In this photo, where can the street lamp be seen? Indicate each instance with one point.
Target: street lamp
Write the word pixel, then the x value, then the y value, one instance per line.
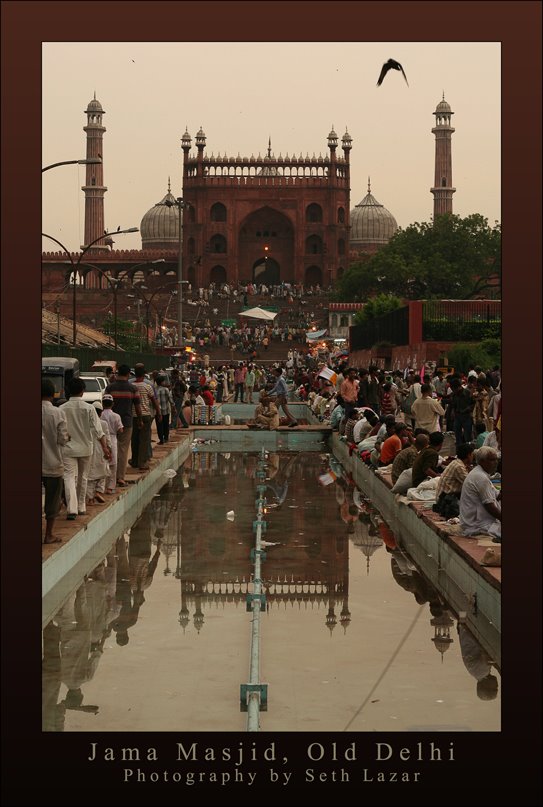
pixel 114 283
pixel 180 204
pixel 76 265
pixel 148 302
pixel 89 161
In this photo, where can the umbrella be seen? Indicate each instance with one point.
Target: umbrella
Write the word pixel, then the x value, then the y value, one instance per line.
pixel 258 313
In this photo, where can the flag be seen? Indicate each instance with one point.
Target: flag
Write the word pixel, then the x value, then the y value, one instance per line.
pixel 329 374
pixel 327 478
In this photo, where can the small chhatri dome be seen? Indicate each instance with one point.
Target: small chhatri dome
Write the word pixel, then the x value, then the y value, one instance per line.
pixel 443 106
pixel 160 225
pixel 186 140
pixel 372 225
pixel 94 105
pixel 346 140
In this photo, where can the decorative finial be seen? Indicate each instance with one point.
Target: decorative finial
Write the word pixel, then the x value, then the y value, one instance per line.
pixel 443 95
pixel 95 95
pixel 269 146
pixel 169 186
pixel 369 186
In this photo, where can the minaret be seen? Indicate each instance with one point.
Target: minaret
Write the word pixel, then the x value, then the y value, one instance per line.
pixel 443 189
pixel 94 188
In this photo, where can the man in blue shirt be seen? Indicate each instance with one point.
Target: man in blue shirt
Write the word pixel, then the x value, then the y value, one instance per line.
pixel 279 392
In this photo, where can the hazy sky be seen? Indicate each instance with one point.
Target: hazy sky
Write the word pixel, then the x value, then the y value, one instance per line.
pixel 241 93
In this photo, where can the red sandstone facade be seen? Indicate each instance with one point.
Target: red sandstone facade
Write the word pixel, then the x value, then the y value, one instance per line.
pixel 265 219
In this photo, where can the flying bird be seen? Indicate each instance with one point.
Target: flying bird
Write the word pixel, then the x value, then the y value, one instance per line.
pixel 391 65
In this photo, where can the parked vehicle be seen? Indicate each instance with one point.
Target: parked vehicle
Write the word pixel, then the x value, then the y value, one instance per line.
pixel 102 380
pixel 93 389
pixel 60 370
pixel 104 366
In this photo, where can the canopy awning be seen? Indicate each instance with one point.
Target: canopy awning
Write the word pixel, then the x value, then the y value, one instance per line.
pixel 258 313
pixel 312 335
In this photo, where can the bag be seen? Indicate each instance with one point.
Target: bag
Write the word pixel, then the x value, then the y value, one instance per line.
pixel 409 400
pixel 492 556
pixel 448 506
pixel 403 482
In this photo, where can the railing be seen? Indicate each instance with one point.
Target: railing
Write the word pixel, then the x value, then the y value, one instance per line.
pixel 392 328
pixel 87 356
pixel 460 320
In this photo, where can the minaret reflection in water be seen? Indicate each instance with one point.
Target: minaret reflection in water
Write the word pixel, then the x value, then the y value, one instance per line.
pixel 309 535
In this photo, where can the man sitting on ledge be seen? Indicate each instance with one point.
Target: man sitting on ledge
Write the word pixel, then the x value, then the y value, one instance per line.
pixel 266 413
pixel 480 509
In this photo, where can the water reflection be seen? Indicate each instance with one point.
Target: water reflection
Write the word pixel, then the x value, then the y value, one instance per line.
pixel 323 538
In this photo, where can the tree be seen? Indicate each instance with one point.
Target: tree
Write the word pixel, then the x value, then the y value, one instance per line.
pixel 451 258
pixel 377 307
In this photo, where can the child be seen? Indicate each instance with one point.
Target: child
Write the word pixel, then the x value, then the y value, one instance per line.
pixel 99 467
pixel 115 424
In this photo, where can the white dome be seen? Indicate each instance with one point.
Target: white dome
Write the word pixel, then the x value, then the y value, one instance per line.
pixel 371 223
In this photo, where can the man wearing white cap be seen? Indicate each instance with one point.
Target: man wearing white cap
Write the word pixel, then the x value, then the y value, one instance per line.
pixel 115 423
pixel 83 425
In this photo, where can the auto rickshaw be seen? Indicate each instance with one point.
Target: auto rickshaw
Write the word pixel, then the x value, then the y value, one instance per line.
pixel 60 370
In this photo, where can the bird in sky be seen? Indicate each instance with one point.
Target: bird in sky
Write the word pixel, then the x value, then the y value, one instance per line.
pixel 391 65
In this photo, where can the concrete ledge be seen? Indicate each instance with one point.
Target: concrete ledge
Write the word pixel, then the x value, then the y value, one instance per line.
pixel 466 585
pixel 111 518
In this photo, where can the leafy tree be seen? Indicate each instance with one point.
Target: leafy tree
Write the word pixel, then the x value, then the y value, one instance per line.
pixel 452 258
pixel 484 354
pixel 128 336
pixel 377 307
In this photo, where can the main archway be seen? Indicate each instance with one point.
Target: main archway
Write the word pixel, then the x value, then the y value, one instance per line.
pixel 266 247
pixel 267 271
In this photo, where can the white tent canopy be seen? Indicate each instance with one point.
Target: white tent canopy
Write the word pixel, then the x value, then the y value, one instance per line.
pixel 258 313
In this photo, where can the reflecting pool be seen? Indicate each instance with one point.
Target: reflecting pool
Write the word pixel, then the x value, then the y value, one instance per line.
pixel 353 637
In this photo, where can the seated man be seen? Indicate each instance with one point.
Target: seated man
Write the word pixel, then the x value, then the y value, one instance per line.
pixel 337 413
pixel 266 413
pixel 350 424
pixel 427 462
pixel 480 509
pixel 407 456
pixel 364 426
pixel 451 480
pixel 392 445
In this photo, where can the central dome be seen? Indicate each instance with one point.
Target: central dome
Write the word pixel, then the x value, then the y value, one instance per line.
pixel 372 225
pixel 160 225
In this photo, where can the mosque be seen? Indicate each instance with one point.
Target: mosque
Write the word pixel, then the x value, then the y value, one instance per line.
pixel 264 219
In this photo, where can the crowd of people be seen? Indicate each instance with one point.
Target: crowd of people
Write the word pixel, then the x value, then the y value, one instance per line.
pixel 293 302
pixel 397 420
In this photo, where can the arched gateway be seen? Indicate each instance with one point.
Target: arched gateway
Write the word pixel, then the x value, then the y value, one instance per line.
pixel 271 219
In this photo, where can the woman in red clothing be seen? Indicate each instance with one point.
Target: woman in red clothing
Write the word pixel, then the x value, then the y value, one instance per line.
pixel 207 395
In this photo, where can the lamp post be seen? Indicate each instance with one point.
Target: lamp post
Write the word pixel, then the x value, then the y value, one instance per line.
pixel 148 301
pixel 180 204
pixel 114 283
pixel 76 265
pixel 89 161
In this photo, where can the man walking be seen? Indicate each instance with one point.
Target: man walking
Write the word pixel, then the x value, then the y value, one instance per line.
pixel 239 381
pixel 54 435
pixel 141 437
pixel 462 402
pixel 279 393
pixel 126 399
pixel 83 426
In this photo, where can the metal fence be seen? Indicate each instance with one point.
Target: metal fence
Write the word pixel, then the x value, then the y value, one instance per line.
pixel 87 356
pixel 460 320
pixel 392 328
